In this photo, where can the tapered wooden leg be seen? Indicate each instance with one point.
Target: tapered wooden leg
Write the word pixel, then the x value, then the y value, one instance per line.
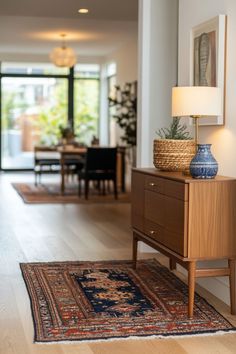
pixel 191 287
pixel 232 284
pixel 172 264
pixel 135 250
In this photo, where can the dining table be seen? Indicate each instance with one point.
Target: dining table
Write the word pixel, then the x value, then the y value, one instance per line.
pixel 60 155
pixel 67 152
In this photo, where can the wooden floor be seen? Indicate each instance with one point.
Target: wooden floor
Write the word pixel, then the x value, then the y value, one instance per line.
pixel 72 232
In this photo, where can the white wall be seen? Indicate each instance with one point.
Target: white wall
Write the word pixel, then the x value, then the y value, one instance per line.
pixel 192 13
pixel 157 73
pixel 126 59
pixel 158 35
pixel 223 139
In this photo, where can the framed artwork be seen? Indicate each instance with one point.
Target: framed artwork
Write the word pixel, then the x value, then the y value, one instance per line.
pixel 208 60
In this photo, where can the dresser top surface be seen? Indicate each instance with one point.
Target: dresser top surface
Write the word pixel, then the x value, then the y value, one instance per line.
pixel 179 176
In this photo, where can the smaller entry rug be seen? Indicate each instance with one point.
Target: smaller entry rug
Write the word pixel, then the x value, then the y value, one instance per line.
pixel 105 300
pixel 51 194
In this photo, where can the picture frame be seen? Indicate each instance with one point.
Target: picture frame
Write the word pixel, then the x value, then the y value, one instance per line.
pixel 208 60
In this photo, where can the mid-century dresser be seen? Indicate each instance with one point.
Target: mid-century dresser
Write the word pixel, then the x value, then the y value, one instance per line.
pixel 188 220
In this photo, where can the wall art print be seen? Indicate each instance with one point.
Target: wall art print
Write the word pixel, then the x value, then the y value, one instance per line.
pixel 208 51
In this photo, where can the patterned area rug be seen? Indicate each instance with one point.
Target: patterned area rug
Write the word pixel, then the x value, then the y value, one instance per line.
pixel 104 300
pixel 50 194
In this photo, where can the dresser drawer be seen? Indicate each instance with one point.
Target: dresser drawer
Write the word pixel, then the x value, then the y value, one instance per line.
pixel 154 184
pixel 153 230
pixel 167 187
pixel 154 209
pixel 165 220
pixel 177 190
pixel 173 241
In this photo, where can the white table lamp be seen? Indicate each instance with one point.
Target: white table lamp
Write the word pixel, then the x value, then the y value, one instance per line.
pixel 196 102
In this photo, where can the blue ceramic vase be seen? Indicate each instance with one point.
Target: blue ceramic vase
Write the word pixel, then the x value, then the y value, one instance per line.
pixel 203 165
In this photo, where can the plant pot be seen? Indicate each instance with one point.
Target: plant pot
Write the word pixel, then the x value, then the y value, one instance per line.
pixel 173 155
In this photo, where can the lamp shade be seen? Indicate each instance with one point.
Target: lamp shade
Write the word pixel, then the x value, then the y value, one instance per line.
pixel 196 101
pixel 63 56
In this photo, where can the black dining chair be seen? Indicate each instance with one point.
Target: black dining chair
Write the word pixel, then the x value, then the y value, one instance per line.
pixel 100 166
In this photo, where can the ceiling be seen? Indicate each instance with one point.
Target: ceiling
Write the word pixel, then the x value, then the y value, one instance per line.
pixel 112 10
pixel 34 27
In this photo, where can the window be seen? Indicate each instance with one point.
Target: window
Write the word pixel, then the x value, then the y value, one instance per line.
pixel 32 111
pixel 111 82
pixel 32 69
pixel 86 105
pixel 86 102
pixel 35 103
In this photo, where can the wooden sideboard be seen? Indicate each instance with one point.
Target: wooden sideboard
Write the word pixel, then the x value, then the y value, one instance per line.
pixel 188 220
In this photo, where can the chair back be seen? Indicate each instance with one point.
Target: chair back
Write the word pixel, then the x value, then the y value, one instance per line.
pixel 101 159
pixel 46 153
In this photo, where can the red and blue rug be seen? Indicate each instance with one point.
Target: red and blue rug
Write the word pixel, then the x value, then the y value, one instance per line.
pixel 103 300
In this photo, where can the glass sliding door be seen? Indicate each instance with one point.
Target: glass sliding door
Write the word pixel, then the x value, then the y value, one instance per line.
pixel 36 102
pixel 33 108
pixel 86 109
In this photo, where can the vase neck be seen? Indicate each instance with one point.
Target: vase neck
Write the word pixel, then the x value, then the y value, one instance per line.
pixel 204 147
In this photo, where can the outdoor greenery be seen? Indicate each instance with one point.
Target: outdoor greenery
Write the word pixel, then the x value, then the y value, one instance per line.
pixel 125 101
pixel 10 102
pixel 86 107
pixel 34 111
pixel 52 122
pixel 52 118
pixel 176 131
pixel 52 113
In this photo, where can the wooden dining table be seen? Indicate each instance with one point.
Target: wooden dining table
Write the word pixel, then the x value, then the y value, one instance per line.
pixel 80 152
pixel 67 153
pixel 63 153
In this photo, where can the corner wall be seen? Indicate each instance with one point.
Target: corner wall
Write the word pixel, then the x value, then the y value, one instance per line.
pixel 223 139
pixel 157 74
pixel 158 38
pixel 126 59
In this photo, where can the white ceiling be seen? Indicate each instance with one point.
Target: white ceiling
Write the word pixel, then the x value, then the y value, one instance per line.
pixel 112 10
pixel 34 26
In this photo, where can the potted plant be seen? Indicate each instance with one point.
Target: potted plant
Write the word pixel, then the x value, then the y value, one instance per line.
pixel 125 101
pixel 175 148
pixel 67 134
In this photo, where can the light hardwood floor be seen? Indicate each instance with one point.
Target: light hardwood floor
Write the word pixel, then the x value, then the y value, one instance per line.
pixel 73 232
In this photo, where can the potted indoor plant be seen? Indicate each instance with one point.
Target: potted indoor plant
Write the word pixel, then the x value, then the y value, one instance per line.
pixel 174 149
pixel 125 102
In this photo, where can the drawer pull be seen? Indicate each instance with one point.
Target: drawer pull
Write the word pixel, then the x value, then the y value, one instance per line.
pixel 152 232
pixel 151 184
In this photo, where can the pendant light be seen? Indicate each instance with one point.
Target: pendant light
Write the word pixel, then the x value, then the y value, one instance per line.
pixel 63 56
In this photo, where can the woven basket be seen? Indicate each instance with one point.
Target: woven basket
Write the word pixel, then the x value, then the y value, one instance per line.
pixel 173 155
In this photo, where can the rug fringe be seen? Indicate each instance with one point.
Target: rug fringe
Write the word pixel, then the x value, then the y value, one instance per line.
pixel 141 338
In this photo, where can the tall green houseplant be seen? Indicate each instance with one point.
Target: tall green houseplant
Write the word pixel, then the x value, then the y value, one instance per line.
pixel 125 101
